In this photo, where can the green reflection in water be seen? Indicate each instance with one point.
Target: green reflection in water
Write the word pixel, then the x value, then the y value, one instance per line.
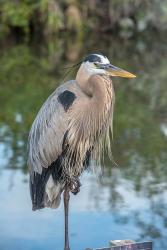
pixel 28 74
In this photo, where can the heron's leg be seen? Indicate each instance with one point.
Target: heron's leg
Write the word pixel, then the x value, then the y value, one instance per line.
pixel 66 209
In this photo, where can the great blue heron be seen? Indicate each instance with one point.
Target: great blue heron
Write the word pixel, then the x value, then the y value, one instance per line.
pixel 69 131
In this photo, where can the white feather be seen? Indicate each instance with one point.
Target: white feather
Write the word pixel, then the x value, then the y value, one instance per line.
pixel 52 190
pixel 104 59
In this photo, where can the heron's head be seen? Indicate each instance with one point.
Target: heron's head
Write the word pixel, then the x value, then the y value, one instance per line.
pixel 100 64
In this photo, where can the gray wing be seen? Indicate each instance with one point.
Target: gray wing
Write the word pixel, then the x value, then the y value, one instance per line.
pixel 48 130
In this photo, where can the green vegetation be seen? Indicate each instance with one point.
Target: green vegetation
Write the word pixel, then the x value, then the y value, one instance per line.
pixel 48 17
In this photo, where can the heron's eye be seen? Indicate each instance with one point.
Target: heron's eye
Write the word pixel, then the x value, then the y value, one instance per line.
pixel 96 64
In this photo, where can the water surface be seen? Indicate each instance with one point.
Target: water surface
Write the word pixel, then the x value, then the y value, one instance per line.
pixel 129 201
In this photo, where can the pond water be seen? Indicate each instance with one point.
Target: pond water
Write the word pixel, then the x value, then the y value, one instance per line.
pixel 128 201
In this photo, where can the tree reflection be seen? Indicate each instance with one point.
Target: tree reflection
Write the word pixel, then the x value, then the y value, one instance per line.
pixel 29 74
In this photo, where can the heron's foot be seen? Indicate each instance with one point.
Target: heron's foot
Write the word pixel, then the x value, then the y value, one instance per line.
pixel 75 186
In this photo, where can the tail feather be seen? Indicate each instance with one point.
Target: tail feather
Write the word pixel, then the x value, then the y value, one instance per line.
pixel 46 188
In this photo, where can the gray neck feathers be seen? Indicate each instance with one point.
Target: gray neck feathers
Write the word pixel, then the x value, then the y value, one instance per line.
pixel 93 119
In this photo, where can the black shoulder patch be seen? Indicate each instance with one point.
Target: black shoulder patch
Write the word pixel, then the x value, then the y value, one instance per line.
pixel 92 58
pixel 66 99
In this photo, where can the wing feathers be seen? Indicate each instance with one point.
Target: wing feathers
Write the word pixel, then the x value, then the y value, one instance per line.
pixel 48 129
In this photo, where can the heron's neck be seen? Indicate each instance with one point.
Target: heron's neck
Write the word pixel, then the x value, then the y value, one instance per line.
pixel 97 88
pixel 82 80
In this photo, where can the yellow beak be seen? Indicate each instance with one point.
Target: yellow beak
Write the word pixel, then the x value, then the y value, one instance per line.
pixel 112 70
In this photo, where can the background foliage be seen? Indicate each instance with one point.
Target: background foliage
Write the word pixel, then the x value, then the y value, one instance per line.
pixel 47 17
